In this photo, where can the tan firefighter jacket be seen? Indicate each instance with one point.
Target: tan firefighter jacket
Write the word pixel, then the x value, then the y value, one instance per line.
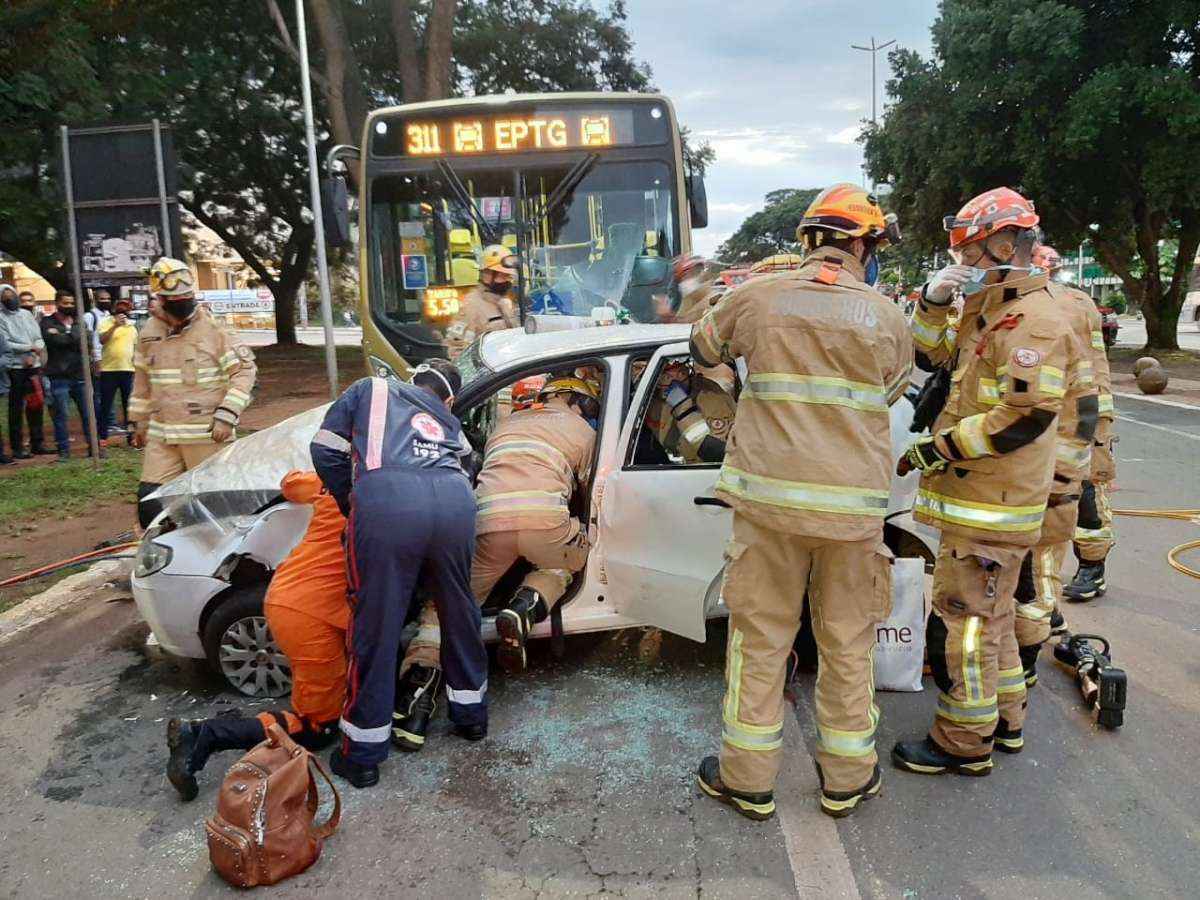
pixel 696 302
pixel 1079 416
pixel 698 428
pixel 810 451
pixel 1010 362
pixel 484 311
pixel 531 465
pixel 185 379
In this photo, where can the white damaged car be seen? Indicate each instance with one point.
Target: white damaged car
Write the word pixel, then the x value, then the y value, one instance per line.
pixel 203 567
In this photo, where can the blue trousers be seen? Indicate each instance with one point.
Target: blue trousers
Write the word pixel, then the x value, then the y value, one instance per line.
pixel 62 388
pixel 406 526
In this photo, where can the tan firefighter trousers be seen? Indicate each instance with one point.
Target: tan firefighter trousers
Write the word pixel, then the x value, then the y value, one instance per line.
pixel 556 554
pixel 969 628
pixel 849 588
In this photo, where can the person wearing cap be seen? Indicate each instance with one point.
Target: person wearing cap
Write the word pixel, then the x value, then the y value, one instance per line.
pixel 987 468
pixel 191 382
pixel 807 472
pixel 391 455
pixel 533 463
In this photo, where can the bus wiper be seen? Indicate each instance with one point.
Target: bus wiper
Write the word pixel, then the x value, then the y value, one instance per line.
pixel 464 198
pixel 565 187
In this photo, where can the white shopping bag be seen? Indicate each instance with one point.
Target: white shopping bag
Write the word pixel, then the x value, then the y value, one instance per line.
pixel 900 651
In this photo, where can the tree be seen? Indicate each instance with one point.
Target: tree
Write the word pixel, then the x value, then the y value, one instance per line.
pixel 770 230
pixel 1085 105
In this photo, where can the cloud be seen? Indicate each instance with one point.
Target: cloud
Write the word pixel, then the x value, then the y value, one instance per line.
pixel 753 147
pixel 847 135
pixel 695 96
pixel 732 207
pixel 846 104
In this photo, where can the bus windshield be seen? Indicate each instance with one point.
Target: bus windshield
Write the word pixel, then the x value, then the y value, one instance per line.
pixel 579 243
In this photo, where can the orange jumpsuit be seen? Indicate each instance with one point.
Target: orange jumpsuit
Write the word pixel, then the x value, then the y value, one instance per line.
pixel 307 609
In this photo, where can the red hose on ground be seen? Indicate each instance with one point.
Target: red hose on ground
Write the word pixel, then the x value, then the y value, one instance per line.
pixel 90 556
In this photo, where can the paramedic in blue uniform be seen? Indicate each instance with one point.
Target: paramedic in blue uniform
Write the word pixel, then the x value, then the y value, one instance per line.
pixel 390 454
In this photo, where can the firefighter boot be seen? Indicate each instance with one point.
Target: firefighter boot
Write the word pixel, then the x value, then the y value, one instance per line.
pixel 840 804
pixel 192 743
pixel 1088 584
pixel 1009 740
pixel 1058 625
pixel 927 758
pixel 416 702
pixel 1029 657
pixel 514 622
pixel 756 806
pixel 360 775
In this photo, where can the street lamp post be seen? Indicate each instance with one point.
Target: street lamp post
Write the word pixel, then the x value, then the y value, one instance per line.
pixel 873 49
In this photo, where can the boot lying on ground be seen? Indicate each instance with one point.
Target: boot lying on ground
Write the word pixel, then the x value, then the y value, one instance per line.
pixel 416 702
pixel 927 758
pixel 1088 583
pixel 756 806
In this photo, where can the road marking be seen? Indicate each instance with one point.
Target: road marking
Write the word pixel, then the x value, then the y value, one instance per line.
pixel 820 867
pixel 1174 431
pixel 1172 403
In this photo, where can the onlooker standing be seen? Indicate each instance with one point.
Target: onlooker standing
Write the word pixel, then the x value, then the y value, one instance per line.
pixel 118 338
pixel 29 303
pixel 100 313
pixel 64 367
pixel 5 459
pixel 23 364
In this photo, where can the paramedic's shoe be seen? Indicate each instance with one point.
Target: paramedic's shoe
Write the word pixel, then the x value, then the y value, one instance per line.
pixel 1008 740
pixel 840 804
pixel 181 741
pixel 416 702
pixel 1058 625
pixel 756 806
pixel 514 622
pixel 1088 583
pixel 927 758
pixel 471 732
pixel 357 774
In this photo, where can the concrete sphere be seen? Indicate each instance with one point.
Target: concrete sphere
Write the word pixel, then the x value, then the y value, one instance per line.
pixel 1144 362
pixel 1152 380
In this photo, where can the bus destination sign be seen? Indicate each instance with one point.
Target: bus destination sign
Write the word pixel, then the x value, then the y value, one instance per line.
pixel 518 133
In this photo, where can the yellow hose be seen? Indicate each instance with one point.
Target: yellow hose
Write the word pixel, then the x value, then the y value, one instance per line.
pixel 1182 515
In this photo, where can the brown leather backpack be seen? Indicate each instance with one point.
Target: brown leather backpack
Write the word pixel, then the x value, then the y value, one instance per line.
pixel 263 831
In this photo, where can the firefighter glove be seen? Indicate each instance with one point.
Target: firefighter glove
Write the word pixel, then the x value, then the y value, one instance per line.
pixel 940 289
pixel 923 455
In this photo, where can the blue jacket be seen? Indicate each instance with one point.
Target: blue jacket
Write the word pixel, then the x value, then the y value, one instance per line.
pixel 385 424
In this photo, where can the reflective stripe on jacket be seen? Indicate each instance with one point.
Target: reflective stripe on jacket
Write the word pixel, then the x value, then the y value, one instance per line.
pixel 810 450
pixel 1012 364
pixel 183 380
pixel 530 467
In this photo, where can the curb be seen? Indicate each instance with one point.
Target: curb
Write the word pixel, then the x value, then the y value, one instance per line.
pixel 72 590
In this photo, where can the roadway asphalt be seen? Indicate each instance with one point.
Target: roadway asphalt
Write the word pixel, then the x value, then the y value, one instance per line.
pixel 585 785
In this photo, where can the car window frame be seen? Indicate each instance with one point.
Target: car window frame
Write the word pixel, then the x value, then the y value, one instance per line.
pixel 627 461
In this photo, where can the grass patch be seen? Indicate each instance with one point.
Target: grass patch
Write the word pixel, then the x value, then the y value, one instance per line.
pixel 62 489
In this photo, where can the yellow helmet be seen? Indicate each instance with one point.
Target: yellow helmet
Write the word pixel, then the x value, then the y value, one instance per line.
pixel 848 209
pixel 171 278
pixel 569 384
pixel 498 258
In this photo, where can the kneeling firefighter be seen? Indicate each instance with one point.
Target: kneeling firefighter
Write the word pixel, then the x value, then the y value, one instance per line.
pixel 532 465
pixel 807 473
pixel 986 468
pixel 307 613
pixel 390 452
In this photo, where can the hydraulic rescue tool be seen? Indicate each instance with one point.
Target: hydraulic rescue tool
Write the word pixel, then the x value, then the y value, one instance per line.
pixel 1102 684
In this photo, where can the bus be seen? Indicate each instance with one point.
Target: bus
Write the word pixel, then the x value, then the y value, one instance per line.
pixel 588 190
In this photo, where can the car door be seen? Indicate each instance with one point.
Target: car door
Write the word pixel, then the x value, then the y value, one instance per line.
pixel 663 531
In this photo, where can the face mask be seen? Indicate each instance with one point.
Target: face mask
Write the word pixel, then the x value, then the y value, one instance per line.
pixel 179 309
pixel 977 283
pixel 872 270
pixel 11 303
pixel 104 304
pixel 500 287
pixel 66 310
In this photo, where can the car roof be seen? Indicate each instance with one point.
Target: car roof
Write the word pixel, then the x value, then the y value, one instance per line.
pixel 506 349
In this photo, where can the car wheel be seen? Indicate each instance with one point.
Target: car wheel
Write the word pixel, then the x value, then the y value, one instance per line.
pixel 241 649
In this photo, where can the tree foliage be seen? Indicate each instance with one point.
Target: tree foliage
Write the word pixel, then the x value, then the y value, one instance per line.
pixel 1087 106
pixel 770 230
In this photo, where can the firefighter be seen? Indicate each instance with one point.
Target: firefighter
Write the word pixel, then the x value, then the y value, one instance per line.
pixel 487 305
pixel 807 473
pixel 307 613
pixel 192 380
pixel 1039 585
pixel 692 411
pixel 532 465
pixel 390 453
pixel 986 468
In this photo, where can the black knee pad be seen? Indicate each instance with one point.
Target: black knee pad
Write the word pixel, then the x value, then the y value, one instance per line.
pixel 936 636
pixel 1029 657
pixel 147 509
pixel 1089 512
pixel 1025 592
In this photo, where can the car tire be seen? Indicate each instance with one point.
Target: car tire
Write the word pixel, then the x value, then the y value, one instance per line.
pixel 241 649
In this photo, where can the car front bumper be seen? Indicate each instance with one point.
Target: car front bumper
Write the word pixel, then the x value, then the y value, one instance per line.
pixel 171 606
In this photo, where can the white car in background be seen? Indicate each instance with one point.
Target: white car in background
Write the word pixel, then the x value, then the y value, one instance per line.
pixel 203 566
pixel 1190 314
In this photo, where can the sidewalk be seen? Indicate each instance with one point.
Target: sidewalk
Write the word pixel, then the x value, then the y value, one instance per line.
pixel 1179 390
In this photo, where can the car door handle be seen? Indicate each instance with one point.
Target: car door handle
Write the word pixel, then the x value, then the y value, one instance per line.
pixel 710 501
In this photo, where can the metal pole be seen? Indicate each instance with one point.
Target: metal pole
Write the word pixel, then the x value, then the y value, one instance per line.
pixel 873 49
pixel 314 185
pixel 85 345
pixel 1081 266
pixel 160 168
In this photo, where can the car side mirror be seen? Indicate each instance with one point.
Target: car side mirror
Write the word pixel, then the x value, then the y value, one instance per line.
pixel 649 271
pixel 697 201
pixel 335 211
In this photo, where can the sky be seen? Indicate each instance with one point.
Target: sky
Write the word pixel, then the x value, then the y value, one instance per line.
pixel 774 87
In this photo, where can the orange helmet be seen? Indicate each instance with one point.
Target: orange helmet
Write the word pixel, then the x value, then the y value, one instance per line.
pixel 687 265
pixel 986 214
pixel 1046 257
pixel 525 392
pixel 850 210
